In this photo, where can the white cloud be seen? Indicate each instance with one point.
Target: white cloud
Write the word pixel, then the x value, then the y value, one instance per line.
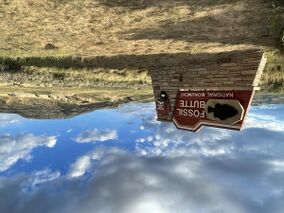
pixel 264 122
pixel 277 165
pixel 19 147
pixel 80 166
pixel 8 119
pixel 124 182
pixel 96 135
pixel 269 107
pixel 84 163
pixel 147 204
pixel 204 142
pixel 43 176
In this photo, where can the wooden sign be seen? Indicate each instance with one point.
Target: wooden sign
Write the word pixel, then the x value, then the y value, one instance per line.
pixel 226 109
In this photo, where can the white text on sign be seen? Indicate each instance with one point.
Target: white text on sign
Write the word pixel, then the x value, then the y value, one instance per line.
pixel 192 108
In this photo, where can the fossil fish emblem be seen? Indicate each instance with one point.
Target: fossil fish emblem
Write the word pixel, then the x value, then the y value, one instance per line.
pixel 222 111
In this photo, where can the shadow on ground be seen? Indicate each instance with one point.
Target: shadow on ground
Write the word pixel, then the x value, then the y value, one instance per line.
pixel 142 4
pixel 227 25
pixel 124 61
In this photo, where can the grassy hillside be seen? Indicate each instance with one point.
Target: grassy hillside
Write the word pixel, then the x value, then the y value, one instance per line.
pixel 116 30
pixel 111 27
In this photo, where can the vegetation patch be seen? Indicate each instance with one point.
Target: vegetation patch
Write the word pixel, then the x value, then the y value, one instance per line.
pixel 60 77
pixel 273 75
pixel 9 65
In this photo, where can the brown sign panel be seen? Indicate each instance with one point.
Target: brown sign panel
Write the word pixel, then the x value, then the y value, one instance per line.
pixel 226 109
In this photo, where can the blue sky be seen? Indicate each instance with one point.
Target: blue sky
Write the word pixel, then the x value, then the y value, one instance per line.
pixel 123 160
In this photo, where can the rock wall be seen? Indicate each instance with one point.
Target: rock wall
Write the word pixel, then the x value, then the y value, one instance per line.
pixel 236 70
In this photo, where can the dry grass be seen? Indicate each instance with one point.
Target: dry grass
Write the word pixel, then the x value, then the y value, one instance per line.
pixel 77 95
pixel 126 30
pixel 56 77
pixel 114 27
pixel 273 76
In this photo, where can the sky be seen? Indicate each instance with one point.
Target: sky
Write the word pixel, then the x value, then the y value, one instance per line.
pixel 123 160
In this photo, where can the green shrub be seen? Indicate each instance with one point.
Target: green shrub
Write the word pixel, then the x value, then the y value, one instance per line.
pixel 9 64
pixel 59 76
